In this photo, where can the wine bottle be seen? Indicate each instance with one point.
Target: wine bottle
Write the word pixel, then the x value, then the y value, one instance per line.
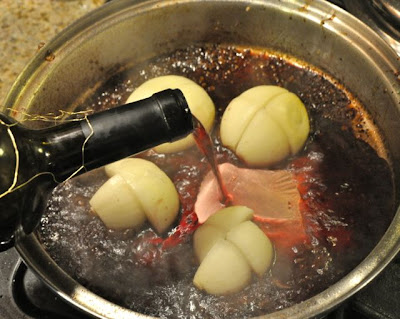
pixel 33 161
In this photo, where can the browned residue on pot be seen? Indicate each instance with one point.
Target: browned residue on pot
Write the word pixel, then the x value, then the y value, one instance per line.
pixel 330 18
pixel 305 7
pixel 50 56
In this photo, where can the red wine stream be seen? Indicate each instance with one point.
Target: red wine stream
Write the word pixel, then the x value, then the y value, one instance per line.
pixel 205 144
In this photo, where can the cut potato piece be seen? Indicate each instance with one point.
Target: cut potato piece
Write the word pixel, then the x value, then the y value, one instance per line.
pixel 132 165
pixel 223 271
pixel 199 102
pixel 153 188
pixel 230 217
pixel 264 125
pixel 227 245
pixel 137 183
pixel 241 111
pixel 291 115
pixel 264 142
pixel 254 245
pixel 117 205
pixel 204 239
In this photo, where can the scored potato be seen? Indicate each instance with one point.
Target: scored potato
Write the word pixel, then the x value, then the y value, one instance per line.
pixel 153 188
pixel 199 102
pixel 224 270
pixel 264 125
pixel 216 227
pixel 227 228
pixel 229 217
pixel 254 245
pixel 130 164
pixel 117 205
pixel 204 239
pixel 290 113
pixel 249 103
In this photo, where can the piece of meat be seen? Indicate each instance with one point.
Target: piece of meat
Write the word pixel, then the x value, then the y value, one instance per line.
pixel 273 195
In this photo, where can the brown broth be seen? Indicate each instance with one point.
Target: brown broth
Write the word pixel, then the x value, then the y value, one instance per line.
pixel 346 198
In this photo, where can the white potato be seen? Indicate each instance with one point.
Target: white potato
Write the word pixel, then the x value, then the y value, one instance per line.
pixel 291 115
pixel 204 239
pixel 216 245
pixel 117 205
pixel 269 150
pixel 131 165
pixel 153 188
pixel 241 111
pixel 223 271
pixel 254 245
pixel 230 217
pixel 199 102
pixel 264 125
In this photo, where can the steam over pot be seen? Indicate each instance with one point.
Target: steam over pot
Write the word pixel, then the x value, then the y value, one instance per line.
pixel 125 32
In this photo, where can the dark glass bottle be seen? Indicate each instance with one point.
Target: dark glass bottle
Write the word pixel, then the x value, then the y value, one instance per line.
pixel 54 154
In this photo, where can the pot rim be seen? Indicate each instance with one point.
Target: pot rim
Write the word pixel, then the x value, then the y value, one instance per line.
pixel 317 11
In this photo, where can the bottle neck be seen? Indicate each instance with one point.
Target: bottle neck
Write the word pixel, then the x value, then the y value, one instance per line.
pixel 105 137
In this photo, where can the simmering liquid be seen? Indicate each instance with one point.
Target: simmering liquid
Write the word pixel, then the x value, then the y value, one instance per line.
pixel 345 187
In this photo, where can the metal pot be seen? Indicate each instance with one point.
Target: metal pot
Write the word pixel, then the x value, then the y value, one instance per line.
pixel 123 32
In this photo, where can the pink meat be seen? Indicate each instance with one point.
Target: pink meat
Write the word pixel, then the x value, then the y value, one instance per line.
pixel 271 194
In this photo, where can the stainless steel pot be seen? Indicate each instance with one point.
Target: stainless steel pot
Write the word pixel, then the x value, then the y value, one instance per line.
pixel 125 32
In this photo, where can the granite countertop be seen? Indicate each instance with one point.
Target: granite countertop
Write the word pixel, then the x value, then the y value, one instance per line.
pixel 25 25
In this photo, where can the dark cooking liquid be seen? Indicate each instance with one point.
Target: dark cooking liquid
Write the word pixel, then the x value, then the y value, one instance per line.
pixel 346 198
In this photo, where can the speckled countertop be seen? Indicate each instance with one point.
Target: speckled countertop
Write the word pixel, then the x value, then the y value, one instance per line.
pixel 25 25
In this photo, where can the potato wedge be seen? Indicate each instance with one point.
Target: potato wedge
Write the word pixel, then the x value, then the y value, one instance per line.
pixel 289 113
pixel 117 205
pixel 204 239
pixel 264 142
pixel 254 245
pixel 230 217
pixel 132 165
pixel 241 111
pixel 153 188
pixel 223 271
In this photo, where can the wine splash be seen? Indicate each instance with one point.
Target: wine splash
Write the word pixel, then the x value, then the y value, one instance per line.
pixel 205 144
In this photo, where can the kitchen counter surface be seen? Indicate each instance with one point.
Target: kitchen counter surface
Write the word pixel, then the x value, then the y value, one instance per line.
pixel 26 25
